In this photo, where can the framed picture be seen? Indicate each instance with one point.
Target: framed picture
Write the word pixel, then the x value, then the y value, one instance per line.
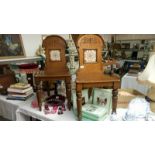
pixel 11 46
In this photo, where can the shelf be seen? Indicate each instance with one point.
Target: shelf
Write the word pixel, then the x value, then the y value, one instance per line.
pixel 20 60
pixel 131 37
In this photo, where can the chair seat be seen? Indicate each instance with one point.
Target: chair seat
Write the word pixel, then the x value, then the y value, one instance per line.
pixel 43 74
pixel 96 77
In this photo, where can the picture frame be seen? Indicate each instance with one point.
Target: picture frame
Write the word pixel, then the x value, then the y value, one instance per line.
pixel 11 46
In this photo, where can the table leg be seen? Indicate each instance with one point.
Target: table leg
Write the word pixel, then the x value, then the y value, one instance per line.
pixel 38 93
pixel 30 79
pixel 68 92
pixel 114 100
pixel 79 104
pixel 90 92
pixel 47 83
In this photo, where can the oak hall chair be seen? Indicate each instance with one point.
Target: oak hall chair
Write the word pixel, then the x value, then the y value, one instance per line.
pixel 91 72
pixel 55 66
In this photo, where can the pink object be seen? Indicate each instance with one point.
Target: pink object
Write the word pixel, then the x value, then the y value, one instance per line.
pixel 63 108
pixel 34 104
pixel 47 112
pixel 53 111
pixel 55 108
pixel 46 107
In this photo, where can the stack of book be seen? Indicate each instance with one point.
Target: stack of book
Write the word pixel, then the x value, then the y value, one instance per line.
pixel 94 112
pixel 100 107
pixel 97 107
pixel 134 69
pixel 19 91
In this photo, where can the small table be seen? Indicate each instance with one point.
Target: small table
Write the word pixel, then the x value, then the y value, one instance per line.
pixel 131 82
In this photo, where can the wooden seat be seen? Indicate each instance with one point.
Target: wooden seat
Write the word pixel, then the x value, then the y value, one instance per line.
pixel 91 72
pixel 55 66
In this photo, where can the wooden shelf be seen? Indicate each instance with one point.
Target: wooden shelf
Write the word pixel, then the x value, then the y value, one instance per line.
pixel 109 62
pixel 20 60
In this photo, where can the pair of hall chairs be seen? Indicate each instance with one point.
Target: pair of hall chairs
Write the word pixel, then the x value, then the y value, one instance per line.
pixel 89 75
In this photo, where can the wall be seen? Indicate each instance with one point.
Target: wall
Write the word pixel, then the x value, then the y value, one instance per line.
pixel 33 41
pixel 107 37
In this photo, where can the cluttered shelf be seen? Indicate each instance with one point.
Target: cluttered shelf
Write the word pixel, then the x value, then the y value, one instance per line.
pixel 18 69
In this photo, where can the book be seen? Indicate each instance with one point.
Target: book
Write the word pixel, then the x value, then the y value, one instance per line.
pixel 18 98
pixel 133 71
pixel 91 118
pixel 85 98
pixel 20 85
pixel 94 111
pixel 101 104
pixel 97 107
pixel 20 94
pixel 19 90
pixel 102 96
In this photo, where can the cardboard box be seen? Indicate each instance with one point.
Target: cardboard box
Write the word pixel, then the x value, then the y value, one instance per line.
pixel 126 95
pixel 152 106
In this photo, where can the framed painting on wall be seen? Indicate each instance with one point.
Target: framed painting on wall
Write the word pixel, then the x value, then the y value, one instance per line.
pixel 11 46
